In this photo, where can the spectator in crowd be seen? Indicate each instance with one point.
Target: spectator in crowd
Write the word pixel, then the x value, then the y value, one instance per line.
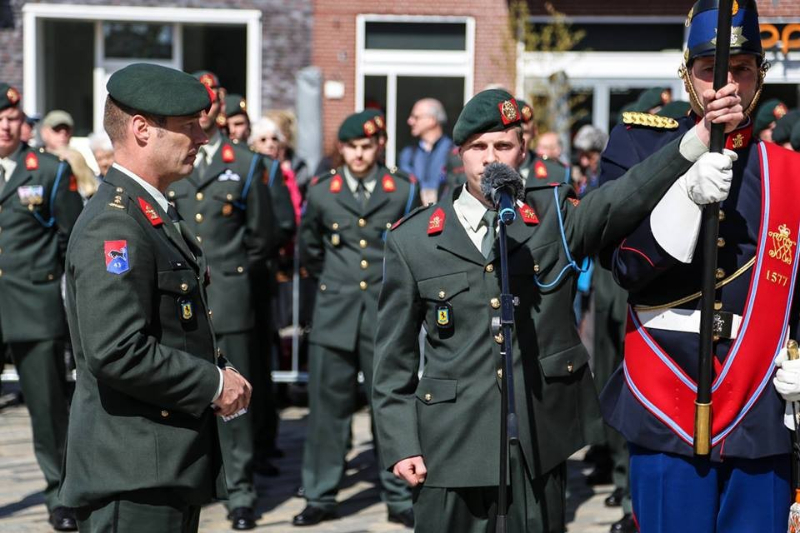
pixel 589 143
pixel 103 151
pixel 548 145
pixel 427 158
pixel 267 139
pixel 57 128
pixel 236 118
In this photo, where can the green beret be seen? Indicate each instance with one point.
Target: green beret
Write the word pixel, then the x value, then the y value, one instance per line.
pixel 9 96
pixel 794 139
pixel 207 78
pixel 487 111
pixel 767 113
pixel 235 104
pixel 783 127
pixel 655 97
pixel 675 109
pixel 377 117
pixel 158 90
pixel 526 110
pixel 358 126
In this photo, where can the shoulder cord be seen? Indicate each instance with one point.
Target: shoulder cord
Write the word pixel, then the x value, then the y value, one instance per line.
pixel 242 204
pixel 52 220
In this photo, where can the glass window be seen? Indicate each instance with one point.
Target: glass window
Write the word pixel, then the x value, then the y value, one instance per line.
pixel 627 37
pixel 202 51
pixel 137 40
pixel 449 91
pixel 416 36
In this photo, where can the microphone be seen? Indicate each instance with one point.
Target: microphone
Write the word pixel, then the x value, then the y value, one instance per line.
pixel 502 186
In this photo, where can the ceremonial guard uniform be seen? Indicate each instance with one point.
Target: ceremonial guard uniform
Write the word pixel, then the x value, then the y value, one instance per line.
pixel 341 241
pixel 143 451
pixel 226 204
pixel 436 277
pixel 650 399
pixel 39 204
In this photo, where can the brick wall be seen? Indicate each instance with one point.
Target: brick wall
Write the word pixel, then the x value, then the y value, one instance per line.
pixel 334 49
pixel 286 40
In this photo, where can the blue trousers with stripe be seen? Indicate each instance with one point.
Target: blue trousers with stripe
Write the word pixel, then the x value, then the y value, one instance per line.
pixel 676 494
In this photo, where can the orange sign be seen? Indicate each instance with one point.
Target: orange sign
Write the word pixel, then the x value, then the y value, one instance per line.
pixel 788 37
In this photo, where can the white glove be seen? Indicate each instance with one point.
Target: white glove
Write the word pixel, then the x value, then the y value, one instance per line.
pixel 787 383
pixel 709 179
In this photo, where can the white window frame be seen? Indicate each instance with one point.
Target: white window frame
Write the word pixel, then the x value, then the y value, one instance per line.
pixel 394 63
pixel 33 66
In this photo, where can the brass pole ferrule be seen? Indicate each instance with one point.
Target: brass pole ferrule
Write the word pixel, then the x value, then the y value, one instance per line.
pixel 702 428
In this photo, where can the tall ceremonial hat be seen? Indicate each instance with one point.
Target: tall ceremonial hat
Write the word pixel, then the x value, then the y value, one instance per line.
pixel 158 90
pixel 702 23
pixel 769 112
pixel 488 111
pixel 783 127
pixel 9 96
pixel 358 126
pixel 235 104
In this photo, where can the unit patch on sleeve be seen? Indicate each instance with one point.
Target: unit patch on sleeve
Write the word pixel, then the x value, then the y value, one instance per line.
pixel 116 255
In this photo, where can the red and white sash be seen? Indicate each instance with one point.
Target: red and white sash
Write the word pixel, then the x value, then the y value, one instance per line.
pixel 664 389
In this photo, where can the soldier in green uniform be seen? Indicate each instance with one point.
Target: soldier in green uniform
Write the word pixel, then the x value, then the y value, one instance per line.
pixel 39 204
pixel 237 121
pixel 348 213
pixel 143 452
pixel 226 203
pixel 440 432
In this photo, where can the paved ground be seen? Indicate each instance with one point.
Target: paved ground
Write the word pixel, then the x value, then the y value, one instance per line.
pixel 22 508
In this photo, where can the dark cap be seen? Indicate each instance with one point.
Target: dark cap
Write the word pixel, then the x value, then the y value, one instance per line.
pixel 767 113
pixel 654 97
pixel 783 127
pixel 9 96
pixel 675 109
pixel 525 110
pixel 158 90
pixel 377 117
pixel 235 104
pixel 210 81
pixel 358 126
pixel 745 32
pixel 488 111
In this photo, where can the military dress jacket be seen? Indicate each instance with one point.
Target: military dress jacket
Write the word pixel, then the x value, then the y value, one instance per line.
pixel 145 352
pixel 655 278
pixel 537 170
pixel 451 415
pixel 341 245
pixel 229 210
pixel 38 208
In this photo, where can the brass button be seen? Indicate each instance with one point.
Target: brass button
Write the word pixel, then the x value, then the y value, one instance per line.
pixel 717 306
pixel 570 368
pixel 536 268
pixel 721 215
pixel 229 197
pixel 199 196
pixel 495 303
pixel 335 225
pixel 362 243
pixel 1 271
pixel 720 273
pixel 1 230
pixel 31 207
pixel 363 285
pixel 171 193
pixel 198 217
pixel 720 242
pixel 489 268
pixel 500 373
pixel 210 313
pixel 164 413
pixel 323 287
pixel 715 338
pixel 240 269
pixel 499 338
pixel 1 250
pixel 199 238
pixel 119 189
pixel 388 225
pixel 364 264
pixel 50 277
pixel 428 397
pixel 184 287
pixel 361 222
pixel 442 295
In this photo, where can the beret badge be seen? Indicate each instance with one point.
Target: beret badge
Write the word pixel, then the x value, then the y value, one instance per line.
pixel 12 95
pixel 508 112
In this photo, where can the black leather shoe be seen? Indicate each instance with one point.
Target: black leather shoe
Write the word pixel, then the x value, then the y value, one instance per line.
pixel 311 516
pixel 63 519
pixel 614 499
pixel 625 525
pixel 599 476
pixel 242 518
pixel 403 517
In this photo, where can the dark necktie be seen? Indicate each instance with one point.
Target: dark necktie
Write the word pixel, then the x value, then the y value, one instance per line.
pixel 175 217
pixel 202 165
pixel 361 194
pixel 2 177
pixel 490 221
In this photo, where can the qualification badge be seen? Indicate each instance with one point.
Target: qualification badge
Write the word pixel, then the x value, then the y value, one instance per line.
pixel 444 315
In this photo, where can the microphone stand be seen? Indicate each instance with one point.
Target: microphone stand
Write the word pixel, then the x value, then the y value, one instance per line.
pixel 502 329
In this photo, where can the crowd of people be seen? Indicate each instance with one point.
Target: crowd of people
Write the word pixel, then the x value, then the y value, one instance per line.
pixel 161 270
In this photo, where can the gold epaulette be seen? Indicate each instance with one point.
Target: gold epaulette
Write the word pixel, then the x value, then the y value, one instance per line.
pixel 649 121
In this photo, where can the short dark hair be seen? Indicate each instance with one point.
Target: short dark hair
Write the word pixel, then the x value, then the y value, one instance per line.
pixel 116 116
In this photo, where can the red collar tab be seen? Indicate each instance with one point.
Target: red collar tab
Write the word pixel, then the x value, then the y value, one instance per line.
pixel 739 138
pixel 528 214
pixel 151 214
pixel 228 155
pixel 336 184
pixel 31 161
pixel 540 170
pixel 436 222
pixel 574 201
pixel 388 183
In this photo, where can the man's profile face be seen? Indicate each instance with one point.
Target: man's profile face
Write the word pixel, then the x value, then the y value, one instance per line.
pixel 238 128
pixel 359 155
pixel 742 70
pixel 482 149
pixel 421 119
pixel 175 146
pixel 11 120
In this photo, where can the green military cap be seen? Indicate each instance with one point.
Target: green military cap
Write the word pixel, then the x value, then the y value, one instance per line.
pixel 794 139
pixel 654 97
pixel 235 104
pixel 675 109
pixel 358 126
pixel 377 117
pixel 487 111
pixel 783 127
pixel 158 90
pixel 768 112
pixel 526 110
pixel 9 96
